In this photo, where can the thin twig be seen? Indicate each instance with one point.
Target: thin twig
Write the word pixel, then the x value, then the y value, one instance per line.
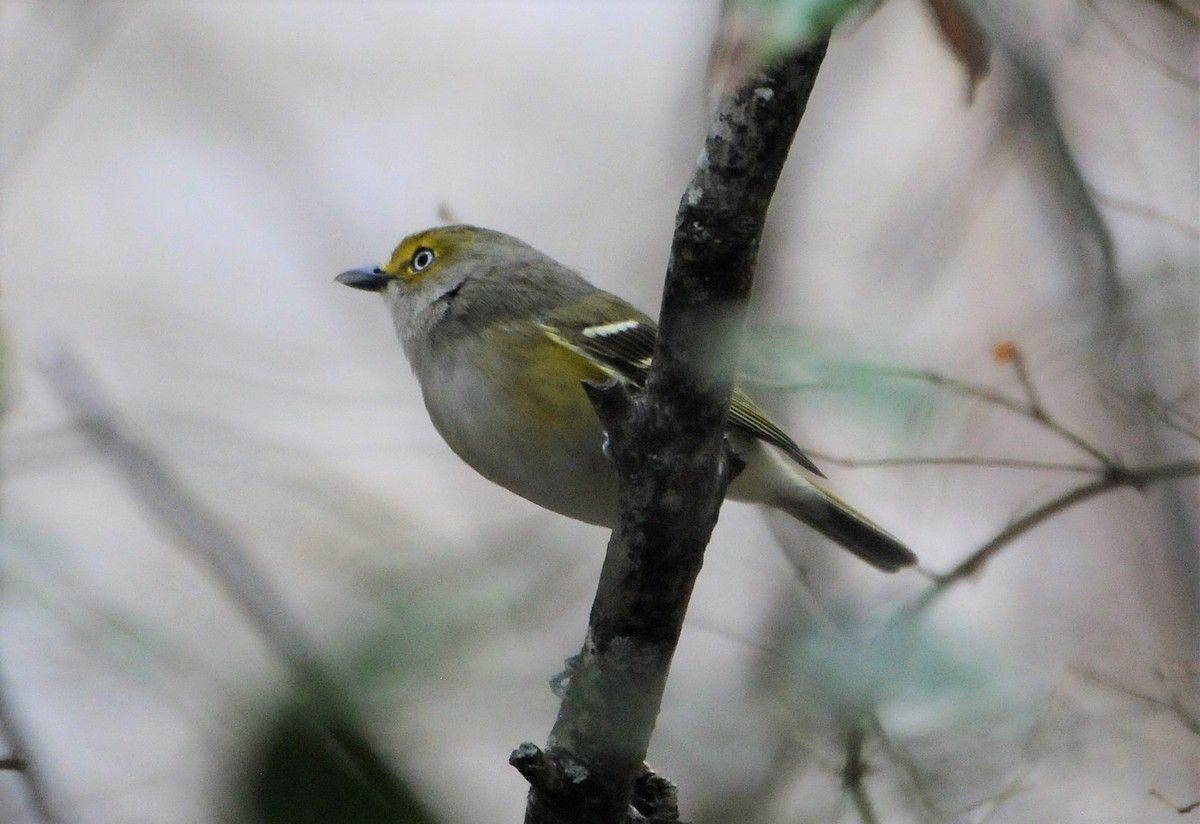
pixel 20 759
pixel 1172 705
pixel 1169 413
pixel 1172 417
pixel 963 460
pixel 1149 212
pixel 1190 16
pixel 854 772
pixel 1114 479
pixel 905 764
pixel 995 802
pixel 1016 784
pixel 1175 418
pixel 1182 809
pixel 1143 55
pixel 1175 426
pixel 1033 400
pixel 960 387
pixel 995 398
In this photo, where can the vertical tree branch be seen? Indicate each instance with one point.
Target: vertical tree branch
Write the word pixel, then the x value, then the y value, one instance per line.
pixel 668 446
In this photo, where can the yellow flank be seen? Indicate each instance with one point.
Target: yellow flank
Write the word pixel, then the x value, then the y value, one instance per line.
pixel 542 377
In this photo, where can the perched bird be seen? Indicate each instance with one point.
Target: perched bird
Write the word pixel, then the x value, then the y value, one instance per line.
pixel 501 338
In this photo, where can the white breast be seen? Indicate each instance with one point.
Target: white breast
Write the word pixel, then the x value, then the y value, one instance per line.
pixel 572 477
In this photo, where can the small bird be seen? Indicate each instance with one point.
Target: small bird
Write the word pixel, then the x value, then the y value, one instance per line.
pixel 501 338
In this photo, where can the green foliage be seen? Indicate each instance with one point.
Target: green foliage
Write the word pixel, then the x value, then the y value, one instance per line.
pixel 315 765
pixel 815 362
pixel 788 24
pixel 846 669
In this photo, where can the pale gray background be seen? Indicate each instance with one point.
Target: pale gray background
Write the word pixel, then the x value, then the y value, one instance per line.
pixel 181 182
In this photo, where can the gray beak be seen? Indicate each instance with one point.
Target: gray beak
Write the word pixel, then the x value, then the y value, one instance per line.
pixel 369 278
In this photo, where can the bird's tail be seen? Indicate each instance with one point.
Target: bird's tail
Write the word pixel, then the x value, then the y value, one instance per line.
pixel 771 479
pixel 842 524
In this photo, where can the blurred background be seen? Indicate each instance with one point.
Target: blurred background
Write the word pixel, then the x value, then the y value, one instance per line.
pixel 219 478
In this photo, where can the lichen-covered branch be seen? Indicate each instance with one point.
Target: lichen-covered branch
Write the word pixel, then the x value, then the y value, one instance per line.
pixel 669 448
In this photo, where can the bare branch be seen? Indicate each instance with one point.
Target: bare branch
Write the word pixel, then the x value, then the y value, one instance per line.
pixel 669 448
pixel 1027 409
pixel 1115 478
pixel 906 765
pixel 1033 401
pixel 1149 212
pixel 854 772
pixel 961 460
pixel 1182 809
pixel 1190 16
pixel 1143 55
pixel 1031 408
pixel 1171 704
pixel 1183 423
pixel 1173 418
pixel 1167 412
pixel 18 761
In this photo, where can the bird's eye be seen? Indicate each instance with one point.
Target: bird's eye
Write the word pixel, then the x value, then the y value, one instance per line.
pixel 422 259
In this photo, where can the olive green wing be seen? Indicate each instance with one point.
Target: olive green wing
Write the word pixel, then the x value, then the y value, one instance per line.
pixel 624 346
pixel 747 416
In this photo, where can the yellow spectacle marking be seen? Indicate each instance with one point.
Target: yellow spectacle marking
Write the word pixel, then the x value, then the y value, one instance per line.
pixel 443 241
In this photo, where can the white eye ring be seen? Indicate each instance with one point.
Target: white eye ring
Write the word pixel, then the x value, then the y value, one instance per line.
pixel 422 259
